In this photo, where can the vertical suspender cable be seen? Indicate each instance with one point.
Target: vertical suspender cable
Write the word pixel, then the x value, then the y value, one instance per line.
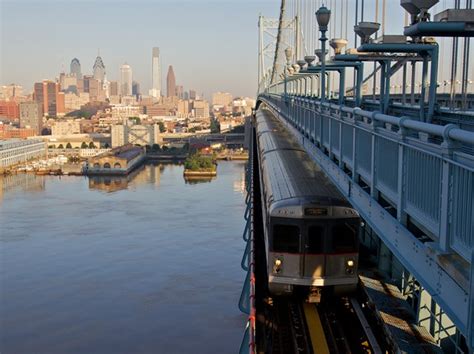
pixel 454 64
pixel 465 68
pixel 277 46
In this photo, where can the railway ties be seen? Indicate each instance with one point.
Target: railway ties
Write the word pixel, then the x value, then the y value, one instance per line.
pixel 337 325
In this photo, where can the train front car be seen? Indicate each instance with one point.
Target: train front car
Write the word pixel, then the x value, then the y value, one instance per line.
pixel 311 231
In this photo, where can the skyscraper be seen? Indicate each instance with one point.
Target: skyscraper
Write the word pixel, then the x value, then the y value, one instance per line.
pixel 170 82
pixel 156 73
pixel 76 68
pixel 125 80
pixel 46 93
pixel 136 88
pixel 99 69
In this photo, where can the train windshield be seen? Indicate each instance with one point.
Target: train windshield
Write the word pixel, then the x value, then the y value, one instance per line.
pixel 344 238
pixel 315 242
pixel 286 238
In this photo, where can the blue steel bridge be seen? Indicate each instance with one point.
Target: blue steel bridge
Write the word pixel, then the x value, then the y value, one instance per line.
pixel 387 110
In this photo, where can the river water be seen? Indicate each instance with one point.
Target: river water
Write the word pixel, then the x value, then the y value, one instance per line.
pixel 145 264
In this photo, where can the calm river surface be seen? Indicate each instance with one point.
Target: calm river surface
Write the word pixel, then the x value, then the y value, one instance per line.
pixel 148 264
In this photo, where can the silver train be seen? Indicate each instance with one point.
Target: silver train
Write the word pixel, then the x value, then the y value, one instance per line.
pixel 310 230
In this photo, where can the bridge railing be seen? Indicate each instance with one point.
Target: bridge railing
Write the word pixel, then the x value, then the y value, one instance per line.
pixel 412 182
pixel 247 296
pixel 423 170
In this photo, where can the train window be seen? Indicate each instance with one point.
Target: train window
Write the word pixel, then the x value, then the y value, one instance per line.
pixel 286 238
pixel 315 242
pixel 344 238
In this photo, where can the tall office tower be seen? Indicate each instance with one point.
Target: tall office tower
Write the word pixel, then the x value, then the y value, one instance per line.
pixel 99 69
pixel 76 68
pixel 114 91
pixel 125 80
pixel 106 87
pixel 31 116
pixel 135 88
pixel 179 91
pixel 192 94
pixel 170 82
pixel 155 73
pixel 46 93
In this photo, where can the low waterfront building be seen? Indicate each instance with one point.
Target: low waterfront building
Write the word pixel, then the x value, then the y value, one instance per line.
pixel 118 161
pixel 14 151
pixel 73 141
pixel 136 134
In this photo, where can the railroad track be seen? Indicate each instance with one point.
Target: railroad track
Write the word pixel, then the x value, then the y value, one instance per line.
pixel 336 325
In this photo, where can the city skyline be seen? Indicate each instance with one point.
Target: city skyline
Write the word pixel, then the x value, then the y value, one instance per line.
pixel 194 34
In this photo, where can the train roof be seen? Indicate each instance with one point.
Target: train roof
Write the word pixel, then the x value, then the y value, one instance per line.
pixel 290 176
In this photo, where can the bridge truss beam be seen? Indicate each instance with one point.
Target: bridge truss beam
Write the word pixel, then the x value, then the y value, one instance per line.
pixel 342 145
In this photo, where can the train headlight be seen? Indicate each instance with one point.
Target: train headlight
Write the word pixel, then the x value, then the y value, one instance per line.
pixel 350 266
pixel 277 264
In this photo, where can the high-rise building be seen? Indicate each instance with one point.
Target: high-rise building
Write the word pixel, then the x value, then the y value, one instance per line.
pixel 125 80
pixel 68 82
pixel 96 90
pixel 192 94
pixel 170 83
pixel 114 91
pixel 179 91
pixel 76 68
pixel 85 82
pixel 155 73
pixel 31 116
pixel 135 88
pixel 46 93
pixel 99 69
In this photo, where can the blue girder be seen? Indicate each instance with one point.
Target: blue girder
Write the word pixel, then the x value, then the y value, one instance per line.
pixel 418 167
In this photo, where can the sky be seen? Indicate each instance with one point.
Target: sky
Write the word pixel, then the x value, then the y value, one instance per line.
pixel 212 45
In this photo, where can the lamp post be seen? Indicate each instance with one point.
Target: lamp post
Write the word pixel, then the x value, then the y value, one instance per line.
pixel 322 16
pixel 288 55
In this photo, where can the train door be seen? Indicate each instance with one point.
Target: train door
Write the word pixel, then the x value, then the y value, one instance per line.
pixel 286 250
pixel 343 249
pixel 314 258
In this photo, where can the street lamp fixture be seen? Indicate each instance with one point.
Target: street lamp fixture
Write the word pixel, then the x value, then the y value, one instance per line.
pixel 322 16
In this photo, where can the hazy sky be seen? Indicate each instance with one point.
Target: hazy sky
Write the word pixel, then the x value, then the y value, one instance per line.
pixel 212 45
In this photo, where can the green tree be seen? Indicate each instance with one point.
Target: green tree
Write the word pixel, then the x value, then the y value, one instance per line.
pixel 84 145
pixel 60 146
pixel 92 145
pixel 68 146
pixel 155 147
pixel 136 120
pixel 215 126
pixel 162 127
